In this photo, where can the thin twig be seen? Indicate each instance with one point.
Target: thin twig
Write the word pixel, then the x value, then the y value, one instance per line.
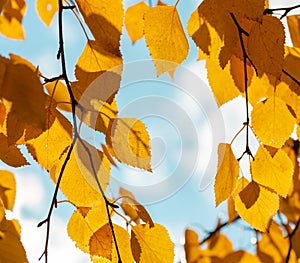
pixel 285 9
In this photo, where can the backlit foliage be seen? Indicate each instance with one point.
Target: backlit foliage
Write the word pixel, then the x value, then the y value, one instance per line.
pixel 243 44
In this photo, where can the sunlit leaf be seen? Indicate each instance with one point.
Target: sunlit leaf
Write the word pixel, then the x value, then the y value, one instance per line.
pixel 155 243
pixel 240 256
pixel 128 141
pixel 46 10
pixel 231 210
pixel 11 19
pixel 7 189
pixel 10 238
pixel 227 175
pixel 255 204
pixel 273 172
pixel 191 245
pixel 266 45
pixel 295 242
pixel 2 211
pixel 166 40
pixel 294 28
pixel 134 20
pixel 272 121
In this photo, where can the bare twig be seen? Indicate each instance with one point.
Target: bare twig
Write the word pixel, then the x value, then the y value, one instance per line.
pixel 285 9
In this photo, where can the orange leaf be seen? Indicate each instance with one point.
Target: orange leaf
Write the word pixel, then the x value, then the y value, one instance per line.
pixel 7 189
pixel 295 242
pixel 129 142
pixel 11 19
pixel 294 28
pixel 166 40
pixel 272 122
pixel 266 45
pixel 46 10
pixel 134 20
pixel 227 175
pixel 191 245
pixel 2 211
pixel 273 172
pixel 10 154
pixel 255 204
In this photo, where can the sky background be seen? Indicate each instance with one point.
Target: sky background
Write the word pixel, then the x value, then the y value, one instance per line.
pixel 190 206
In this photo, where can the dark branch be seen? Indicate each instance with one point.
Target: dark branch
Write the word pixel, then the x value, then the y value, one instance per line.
pixel 285 9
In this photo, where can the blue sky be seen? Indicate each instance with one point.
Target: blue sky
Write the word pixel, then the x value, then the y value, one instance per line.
pixel 170 100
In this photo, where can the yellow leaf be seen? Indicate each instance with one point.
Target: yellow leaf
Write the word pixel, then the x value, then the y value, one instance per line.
pixel 101 242
pixel 255 204
pixel 155 244
pixel 21 86
pixel 2 113
pixel 273 172
pixel 240 256
pixel 272 122
pixel 46 10
pixel 78 183
pixel 191 245
pixel 2 211
pixel 129 142
pixel 10 238
pixel 11 154
pixel 231 210
pixel 48 146
pixel 59 92
pixel 134 20
pixel 266 45
pixel 294 28
pixel 7 189
pixel 95 58
pixel 273 245
pixel 133 208
pixel 105 20
pixel 11 19
pixel 227 175
pixel 95 218
pixel 166 40
pixel 219 245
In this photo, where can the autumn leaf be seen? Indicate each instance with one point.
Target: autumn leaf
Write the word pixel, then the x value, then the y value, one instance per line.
pixel 134 20
pixel 266 45
pixel 166 40
pixel 273 172
pixel 104 19
pixel 21 85
pixel 231 210
pixel 7 189
pixel 46 10
pixel 2 113
pixel 272 122
pixel 2 4
pixel 11 154
pixel 2 211
pixel 240 256
pixel 11 19
pixel 155 244
pixel 10 238
pixel 227 175
pixel 133 208
pixel 294 28
pixel 295 242
pixel 129 142
pixel 255 204
pixel 191 245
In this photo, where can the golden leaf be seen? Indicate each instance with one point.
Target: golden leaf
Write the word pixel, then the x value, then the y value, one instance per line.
pixel 59 92
pixel 11 19
pixel 272 122
pixel 78 183
pixel 259 212
pixel 227 175
pixel 2 211
pixel 47 147
pixel 134 20
pixel 191 245
pixel 232 214
pixel 266 45
pixel 240 256
pixel 166 40
pixel 105 19
pixel 295 242
pixel 7 189
pixel 129 142
pixel 294 28
pixel 273 172
pixel 11 154
pixel 10 238
pixel 46 10
pixel 155 244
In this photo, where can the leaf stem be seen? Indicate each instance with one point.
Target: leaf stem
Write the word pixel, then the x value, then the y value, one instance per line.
pixel 285 9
